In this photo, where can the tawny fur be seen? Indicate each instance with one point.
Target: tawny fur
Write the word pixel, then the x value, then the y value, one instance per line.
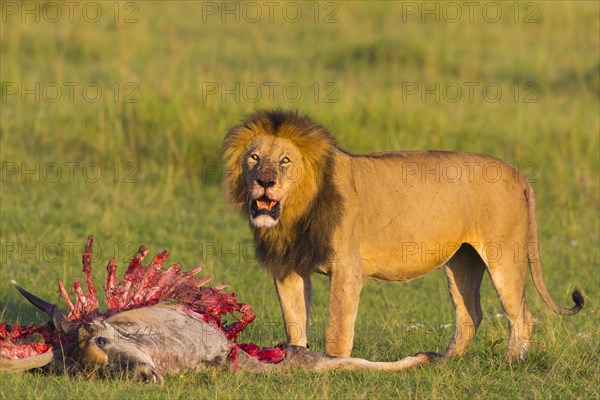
pixel 392 216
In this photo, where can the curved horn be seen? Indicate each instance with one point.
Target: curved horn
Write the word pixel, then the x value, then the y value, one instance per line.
pixel 60 321
pixel 25 364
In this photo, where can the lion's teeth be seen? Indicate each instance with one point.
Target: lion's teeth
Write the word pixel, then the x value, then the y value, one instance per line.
pixel 264 205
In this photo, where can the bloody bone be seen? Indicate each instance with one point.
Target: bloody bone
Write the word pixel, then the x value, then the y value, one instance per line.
pixel 157 321
pixel 141 286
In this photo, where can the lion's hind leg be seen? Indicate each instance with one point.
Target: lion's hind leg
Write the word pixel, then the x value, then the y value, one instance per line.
pixel 509 275
pixel 464 272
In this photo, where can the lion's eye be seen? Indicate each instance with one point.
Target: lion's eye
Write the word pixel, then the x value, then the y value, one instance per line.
pixel 285 160
pixel 255 157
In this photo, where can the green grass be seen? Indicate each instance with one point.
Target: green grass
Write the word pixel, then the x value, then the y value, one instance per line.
pixel 158 186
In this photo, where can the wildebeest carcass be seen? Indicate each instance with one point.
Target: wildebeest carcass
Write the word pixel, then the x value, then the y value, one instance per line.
pixel 157 321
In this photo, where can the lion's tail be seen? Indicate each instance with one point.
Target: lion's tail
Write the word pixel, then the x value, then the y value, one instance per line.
pixel 536 267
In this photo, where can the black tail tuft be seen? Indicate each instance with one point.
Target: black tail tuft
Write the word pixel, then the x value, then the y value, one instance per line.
pixel 578 299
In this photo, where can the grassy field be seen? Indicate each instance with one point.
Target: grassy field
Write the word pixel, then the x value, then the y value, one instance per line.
pixel 112 118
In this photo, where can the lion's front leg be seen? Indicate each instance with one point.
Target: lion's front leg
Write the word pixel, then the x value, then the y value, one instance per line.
pixel 294 294
pixel 344 295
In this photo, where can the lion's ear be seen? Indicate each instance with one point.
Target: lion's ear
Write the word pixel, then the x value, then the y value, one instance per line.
pixel 234 148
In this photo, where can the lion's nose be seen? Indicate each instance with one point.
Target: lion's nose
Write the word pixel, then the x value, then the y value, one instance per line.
pixel 265 183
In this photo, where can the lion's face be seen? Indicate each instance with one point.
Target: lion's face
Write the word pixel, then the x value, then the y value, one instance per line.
pixel 272 167
pixel 276 165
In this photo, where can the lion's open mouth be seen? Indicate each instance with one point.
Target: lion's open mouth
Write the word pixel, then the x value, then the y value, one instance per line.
pixel 265 206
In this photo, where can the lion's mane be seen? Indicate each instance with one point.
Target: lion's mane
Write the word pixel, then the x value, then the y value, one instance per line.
pixel 301 241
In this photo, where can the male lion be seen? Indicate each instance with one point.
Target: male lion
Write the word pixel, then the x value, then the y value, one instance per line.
pixel 391 216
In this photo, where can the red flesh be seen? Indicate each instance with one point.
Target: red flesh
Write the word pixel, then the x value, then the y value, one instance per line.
pixel 140 287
